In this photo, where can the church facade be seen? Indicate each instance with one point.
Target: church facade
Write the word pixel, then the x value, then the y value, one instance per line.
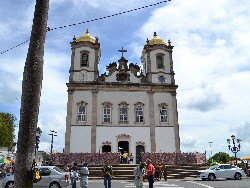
pixel 126 109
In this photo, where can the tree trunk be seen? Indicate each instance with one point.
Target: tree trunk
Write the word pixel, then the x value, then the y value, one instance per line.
pixel 31 91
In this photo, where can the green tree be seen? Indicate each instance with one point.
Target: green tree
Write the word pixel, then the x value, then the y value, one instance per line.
pixel 7 128
pixel 220 157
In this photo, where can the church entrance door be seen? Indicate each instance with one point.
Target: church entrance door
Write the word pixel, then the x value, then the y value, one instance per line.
pixel 139 149
pixel 106 148
pixel 123 146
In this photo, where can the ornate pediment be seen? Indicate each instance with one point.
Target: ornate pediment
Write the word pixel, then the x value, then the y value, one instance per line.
pixel 163 104
pixel 123 137
pixel 106 143
pixel 123 103
pixel 82 103
pixel 140 143
pixel 109 104
pixel 139 104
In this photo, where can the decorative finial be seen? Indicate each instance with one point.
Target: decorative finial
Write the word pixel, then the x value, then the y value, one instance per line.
pixel 96 39
pixel 74 38
pixel 169 42
pixel 87 31
pixel 155 35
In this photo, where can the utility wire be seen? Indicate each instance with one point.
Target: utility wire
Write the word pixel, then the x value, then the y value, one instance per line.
pixel 101 18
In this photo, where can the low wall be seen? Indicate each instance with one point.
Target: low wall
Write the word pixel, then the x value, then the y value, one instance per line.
pixel 114 158
pixel 175 158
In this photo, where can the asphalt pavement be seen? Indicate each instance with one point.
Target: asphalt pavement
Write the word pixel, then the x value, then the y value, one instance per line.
pixel 173 183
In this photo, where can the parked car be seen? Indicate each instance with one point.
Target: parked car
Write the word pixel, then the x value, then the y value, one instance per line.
pixel 52 177
pixel 221 171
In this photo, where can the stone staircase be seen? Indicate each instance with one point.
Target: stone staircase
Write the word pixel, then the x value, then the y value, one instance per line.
pixel 126 171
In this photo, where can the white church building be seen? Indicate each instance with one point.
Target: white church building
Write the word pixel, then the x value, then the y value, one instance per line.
pixel 126 109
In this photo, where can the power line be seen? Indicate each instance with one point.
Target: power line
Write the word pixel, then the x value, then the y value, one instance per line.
pixel 96 19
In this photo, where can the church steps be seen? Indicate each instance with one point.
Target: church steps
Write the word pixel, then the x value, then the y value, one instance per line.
pixel 126 172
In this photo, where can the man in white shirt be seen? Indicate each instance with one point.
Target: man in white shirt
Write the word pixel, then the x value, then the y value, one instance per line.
pixel 84 173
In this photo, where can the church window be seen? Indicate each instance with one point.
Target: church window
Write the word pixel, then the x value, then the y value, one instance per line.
pixel 163 114
pixel 139 112
pixel 123 113
pixel 84 60
pixel 107 110
pixel 159 61
pixel 82 113
pixel 106 114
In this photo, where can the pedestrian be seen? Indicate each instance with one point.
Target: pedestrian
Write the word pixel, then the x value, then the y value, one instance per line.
pixel 150 173
pixel 84 173
pixel 139 173
pixel 131 158
pixel 73 176
pixel 107 174
pixel 125 157
pixel 164 169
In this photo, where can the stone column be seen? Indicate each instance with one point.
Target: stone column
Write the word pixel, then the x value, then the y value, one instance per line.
pixel 94 120
pixel 68 121
pixel 152 120
pixel 175 121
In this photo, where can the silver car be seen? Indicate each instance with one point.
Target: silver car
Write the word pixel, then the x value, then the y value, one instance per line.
pixel 226 171
pixel 52 177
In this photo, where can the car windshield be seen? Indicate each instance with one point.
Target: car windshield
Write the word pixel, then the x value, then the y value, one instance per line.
pixel 214 167
pixel 57 169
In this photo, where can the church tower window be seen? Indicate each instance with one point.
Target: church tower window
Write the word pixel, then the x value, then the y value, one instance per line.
pixel 107 112
pixel 159 61
pixel 84 59
pixel 123 109
pixel 81 113
pixel 163 113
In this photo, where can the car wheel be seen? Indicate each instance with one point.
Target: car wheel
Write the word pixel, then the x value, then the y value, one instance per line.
pixel 237 176
pixel 54 185
pixel 211 177
pixel 9 185
pixel 203 179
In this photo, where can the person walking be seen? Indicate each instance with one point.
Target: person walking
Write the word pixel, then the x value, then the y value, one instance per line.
pixel 73 176
pixel 107 174
pixel 84 173
pixel 150 173
pixel 139 173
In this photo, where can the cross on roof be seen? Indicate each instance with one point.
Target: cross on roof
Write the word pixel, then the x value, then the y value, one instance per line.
pixel 122 51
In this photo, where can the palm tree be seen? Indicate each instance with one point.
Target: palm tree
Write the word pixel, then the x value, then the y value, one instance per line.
pixel 31 90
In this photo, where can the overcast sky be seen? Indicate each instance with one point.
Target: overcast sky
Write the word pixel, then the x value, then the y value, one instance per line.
pixel 211 60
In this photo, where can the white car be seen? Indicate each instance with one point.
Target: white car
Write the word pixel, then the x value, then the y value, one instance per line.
pixel 52 177
pixel 221 171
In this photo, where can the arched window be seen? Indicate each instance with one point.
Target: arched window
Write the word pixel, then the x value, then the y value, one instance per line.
pixel 82 113
pixel 163 114
pixel 159 61
pixel 84 59
pixel 107 107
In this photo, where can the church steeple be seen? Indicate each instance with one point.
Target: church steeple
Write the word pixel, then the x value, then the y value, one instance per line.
pixel 86 54
pixel 157 61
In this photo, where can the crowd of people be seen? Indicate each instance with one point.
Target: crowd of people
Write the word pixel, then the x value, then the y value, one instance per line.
pixel 6 169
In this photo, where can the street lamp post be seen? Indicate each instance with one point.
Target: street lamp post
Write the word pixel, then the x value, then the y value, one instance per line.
pixel 210 152
pixel 234 148
pixel 52 139
pixel 38 135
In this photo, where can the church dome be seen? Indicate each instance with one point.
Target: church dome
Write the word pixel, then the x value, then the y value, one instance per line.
pixel 156 40
pixel 86 38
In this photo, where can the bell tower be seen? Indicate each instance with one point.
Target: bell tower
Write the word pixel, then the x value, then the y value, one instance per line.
pixel 157 61
pixel 86 53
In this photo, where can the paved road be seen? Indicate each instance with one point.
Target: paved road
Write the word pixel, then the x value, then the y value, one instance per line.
pixel 244 183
